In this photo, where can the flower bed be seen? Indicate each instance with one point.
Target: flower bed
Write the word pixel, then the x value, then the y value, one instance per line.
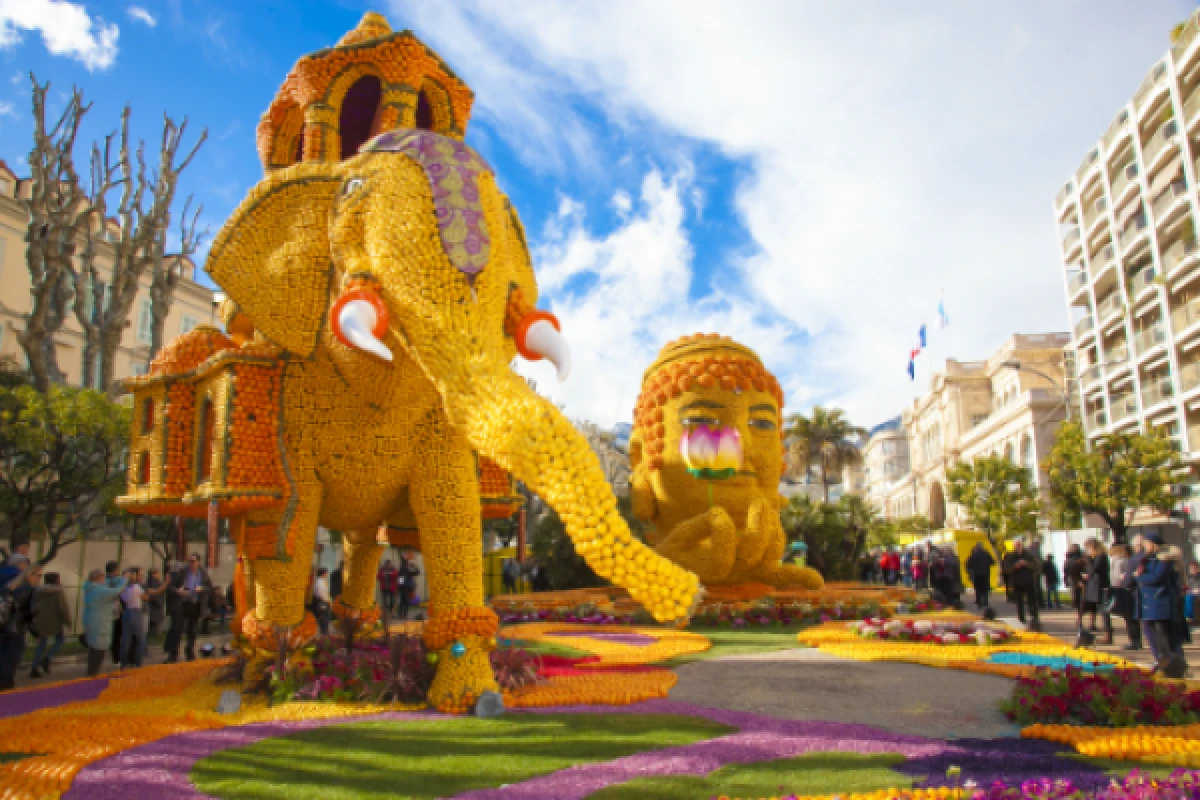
pixel 1118 698
pixel 930 632
pixel 659 644
pixel 1134 786
pixel 841 639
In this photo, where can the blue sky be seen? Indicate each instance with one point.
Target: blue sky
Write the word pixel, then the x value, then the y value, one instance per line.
pixel 807 177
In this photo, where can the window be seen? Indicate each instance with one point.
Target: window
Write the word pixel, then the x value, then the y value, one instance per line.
pixel 889 448
pixel 1008 453
pixel 188 324
pixel 1027 459
pixel 148 416
pixel 978 419
pixel 143 468
pixel 139 369
pixel 145 323
pixel 1 254
pixel 98 301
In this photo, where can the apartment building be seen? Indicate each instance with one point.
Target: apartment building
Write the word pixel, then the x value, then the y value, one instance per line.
pixel 193 303
pixel 1009 405
pixel 885 463
pixel 1131 265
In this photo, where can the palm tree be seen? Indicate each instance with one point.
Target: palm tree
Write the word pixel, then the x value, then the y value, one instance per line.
pixel 825 439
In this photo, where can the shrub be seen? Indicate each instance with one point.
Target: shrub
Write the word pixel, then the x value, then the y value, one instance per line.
pixel 1111 698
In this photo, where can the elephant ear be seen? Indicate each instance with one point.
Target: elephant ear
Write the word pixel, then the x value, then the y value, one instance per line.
pixel 272 255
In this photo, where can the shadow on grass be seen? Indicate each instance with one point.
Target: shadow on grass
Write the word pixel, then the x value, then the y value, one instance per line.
pixel 817 774
pixel 434 758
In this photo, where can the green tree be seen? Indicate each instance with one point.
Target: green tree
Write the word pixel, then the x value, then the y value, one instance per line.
pixel 62 462
pixel 835 533
pixel 554 551
pixel 826 440
pixel 998 496
pixel 1121 473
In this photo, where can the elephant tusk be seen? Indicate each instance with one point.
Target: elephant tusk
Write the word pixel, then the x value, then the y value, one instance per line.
pixel 542 338
pixel 355 326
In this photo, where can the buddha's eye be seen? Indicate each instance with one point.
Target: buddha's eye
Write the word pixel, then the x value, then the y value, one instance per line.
pixel 696 421
pixel 762 424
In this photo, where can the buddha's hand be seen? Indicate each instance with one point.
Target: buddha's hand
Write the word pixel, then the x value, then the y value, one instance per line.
pixel 762 542
pixel 705 544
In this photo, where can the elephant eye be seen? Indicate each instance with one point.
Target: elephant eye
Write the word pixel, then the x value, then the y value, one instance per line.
pixel 351 186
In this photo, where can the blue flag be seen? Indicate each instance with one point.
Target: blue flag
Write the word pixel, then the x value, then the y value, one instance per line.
pixel 921 335
pixel 943 320
pixel 912 370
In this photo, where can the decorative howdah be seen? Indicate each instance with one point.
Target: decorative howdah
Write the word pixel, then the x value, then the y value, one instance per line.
pixel 381 295
pixel 706 453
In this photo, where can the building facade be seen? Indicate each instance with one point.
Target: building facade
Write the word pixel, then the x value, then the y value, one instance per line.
pixel 1131 265
pixel 885 463
pixel 1009 405
pixel 193 303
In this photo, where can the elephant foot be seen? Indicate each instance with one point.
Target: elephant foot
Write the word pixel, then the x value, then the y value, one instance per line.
pixel 460 640
pixel 464 676
pixel 264 636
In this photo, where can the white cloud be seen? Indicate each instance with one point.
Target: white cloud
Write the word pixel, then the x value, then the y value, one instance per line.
pixel 7 109
pixel 891 153
pixel 636 278
pixel 66 29
pixel 139 14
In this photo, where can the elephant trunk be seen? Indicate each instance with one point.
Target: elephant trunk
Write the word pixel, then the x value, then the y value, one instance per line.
pixel 504 419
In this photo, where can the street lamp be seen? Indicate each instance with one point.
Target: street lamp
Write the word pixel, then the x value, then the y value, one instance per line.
pixel 1066 398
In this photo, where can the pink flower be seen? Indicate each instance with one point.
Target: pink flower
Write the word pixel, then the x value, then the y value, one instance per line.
pixel 711 452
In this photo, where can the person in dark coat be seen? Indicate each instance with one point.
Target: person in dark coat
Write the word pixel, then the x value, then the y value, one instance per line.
pixel 1096 583
pixel 336 580
pixel 1158 584
pixel 1021 576
pixel 18 581
pixel 187 597
pixel 1051 577
pixel 979 568
pixel 406 584
pixel 1073 569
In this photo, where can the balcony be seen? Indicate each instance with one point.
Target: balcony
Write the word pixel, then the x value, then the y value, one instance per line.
pixel 1090 375
pixel 1066 191
pixel 1088 162
pixel 1076 281
pixel 1123 406
pixel 1126 176
pixel 1162 138
pixel 1113 304
pixel 1071 240
pixel 1194 437
pixel 1178 253
pixel 1149 339
pixel 1150 86
pixel 1134 228
pixel 1140 280
pixel 1189 376
pixel 1084 326
pixel 1118 128
pixel 1118 355
pixel 1191 107
pixel 1176 190
pixel 1156 391
pixel 1185 315
pixel 1094 211
pixel 1098 419
pixel 1179 48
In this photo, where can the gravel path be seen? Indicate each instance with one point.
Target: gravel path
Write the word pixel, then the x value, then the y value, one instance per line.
pixel 806 684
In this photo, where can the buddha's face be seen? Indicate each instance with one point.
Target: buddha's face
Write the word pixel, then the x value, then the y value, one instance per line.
pixel 754 415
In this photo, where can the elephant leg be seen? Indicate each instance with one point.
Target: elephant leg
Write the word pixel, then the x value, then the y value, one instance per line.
pixel 281 582
pixel 460 629
pixel 362 554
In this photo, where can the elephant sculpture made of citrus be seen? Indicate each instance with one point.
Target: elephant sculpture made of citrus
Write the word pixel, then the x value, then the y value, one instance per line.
pixel 396 287
pixel 706 454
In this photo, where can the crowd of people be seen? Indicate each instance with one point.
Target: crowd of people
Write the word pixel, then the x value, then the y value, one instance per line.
pixel 1143 582
pixel 122 611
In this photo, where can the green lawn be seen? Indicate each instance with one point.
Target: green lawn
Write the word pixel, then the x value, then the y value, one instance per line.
pixel 817 774
pixel 434 758
pixel 1123 768
pixel 729 642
